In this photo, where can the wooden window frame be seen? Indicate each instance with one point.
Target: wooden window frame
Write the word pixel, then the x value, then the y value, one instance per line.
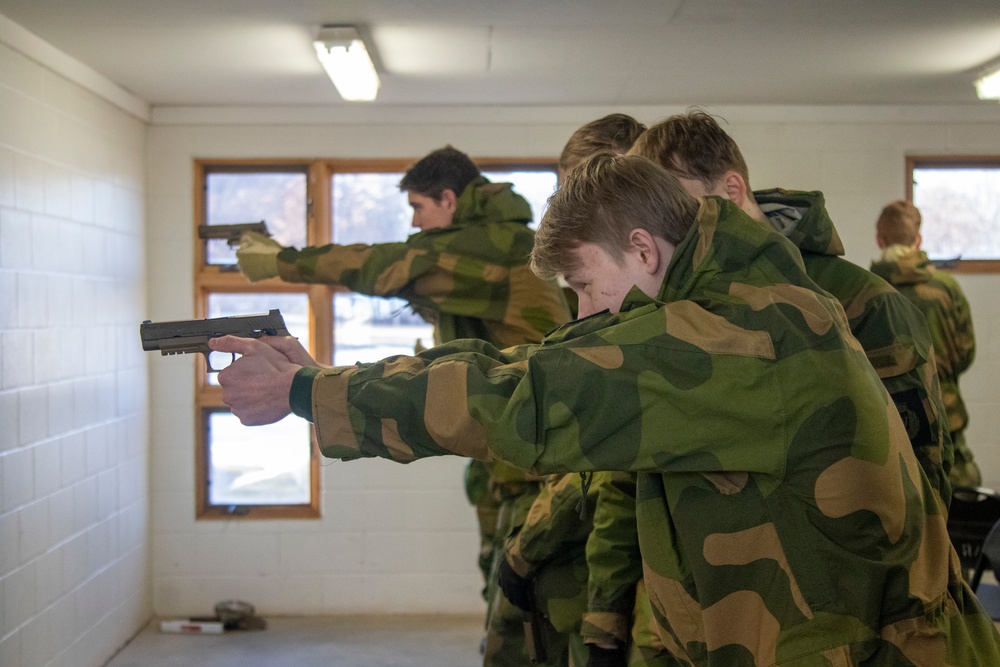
pixel 210 279
pixel 968 266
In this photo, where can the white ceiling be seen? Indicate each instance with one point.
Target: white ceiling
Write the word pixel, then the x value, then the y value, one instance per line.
pixel 533 52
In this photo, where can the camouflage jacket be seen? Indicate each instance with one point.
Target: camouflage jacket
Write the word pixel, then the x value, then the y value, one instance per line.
pixel 891 330
pixel 550 547
pixel 940 298
pixel 471 279
pixel 782 515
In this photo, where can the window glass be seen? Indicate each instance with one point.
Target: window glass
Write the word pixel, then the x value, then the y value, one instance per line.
pixel 960 207
pixel 535 186
pixel 258 465
pixel 277 199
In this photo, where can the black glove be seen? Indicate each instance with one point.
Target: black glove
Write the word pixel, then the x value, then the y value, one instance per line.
pixel 606 657
pixel 516 588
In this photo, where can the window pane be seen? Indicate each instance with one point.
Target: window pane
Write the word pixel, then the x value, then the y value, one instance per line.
pixel 258 465
pixel 369 208
pixel 960 208
pixel 279 199
pixel 369 328
pixel 535 186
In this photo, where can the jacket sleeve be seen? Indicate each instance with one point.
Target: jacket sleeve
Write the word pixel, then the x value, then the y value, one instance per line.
pixel 524 405
pixel 554 527
pixel 965 337
pixel 614 562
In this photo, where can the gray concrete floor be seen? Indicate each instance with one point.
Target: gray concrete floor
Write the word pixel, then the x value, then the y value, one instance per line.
pixel 327 641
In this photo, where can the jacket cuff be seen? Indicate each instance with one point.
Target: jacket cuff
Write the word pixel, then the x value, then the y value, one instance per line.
pixel 331 413
pixel 300 395
pixel 603 627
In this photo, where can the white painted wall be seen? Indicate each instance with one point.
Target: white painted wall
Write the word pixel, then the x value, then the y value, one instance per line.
pixel 402 538
pixel 74 431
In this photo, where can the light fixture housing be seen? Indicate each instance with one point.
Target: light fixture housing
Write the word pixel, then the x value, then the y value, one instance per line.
pixel 345 58
pixel 988 86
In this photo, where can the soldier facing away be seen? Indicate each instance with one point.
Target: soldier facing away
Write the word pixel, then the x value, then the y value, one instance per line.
pixel 782 514
pixel 940 298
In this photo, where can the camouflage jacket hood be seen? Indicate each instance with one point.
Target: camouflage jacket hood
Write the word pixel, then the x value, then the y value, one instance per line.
pixel 483 202
pixel 782 515
pixel 901 266
pixel 802 218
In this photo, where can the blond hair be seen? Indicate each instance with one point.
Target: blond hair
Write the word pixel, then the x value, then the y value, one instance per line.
pixel 899 224
pixel 603 200
pixel 694 146
pixel 615 132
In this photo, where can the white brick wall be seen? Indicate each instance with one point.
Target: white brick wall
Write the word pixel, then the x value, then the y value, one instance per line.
pixel 74 443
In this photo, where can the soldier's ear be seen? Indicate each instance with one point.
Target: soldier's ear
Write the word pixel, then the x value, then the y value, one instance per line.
pixel 646 250
pixel 734 188
pixel 449 199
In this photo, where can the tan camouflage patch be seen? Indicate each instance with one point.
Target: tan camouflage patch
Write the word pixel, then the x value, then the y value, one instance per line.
pixel 446 390
pixel 746 546
pixel 605 356
pixel 683 613
pixel 728 483
pixel 928 292
pixel 605 624
pixel 851 485
pixel 858 304
pixel 342 258
pixel 707 221
pixel 331 416
pixel 689 322
pixel 398 274
pixel 399 450
pixel 409 365
pixel 743 619
pixel 928 580
pixel 920 641
pixel 817 317
pixel 893 360
pixel 543 297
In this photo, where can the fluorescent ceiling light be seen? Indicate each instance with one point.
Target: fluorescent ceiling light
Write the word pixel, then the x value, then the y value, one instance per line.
pixel 988 87
pixel 344 57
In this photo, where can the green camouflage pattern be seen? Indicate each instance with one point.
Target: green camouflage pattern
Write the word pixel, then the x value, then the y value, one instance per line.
pixel 548 548
pixel 940 298
pixel 614 562
pixel 782 514
pixel 891 330
pixel 471 279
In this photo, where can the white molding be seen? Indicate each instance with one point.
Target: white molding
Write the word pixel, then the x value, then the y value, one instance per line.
pixel 37 49
pixel 374 114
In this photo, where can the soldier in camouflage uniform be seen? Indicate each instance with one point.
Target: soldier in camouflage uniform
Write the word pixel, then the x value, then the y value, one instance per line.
pixel 466 271
pixel 940 298
pixel 547 559
pixel 707 161
pixel 544 567
pixel 783 517
pixel 891 330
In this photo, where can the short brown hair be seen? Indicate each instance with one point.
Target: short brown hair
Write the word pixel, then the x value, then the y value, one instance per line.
pixel 444 169
pixel 603 200
pixel 693 145
pixel 899 224
pixel 615 132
